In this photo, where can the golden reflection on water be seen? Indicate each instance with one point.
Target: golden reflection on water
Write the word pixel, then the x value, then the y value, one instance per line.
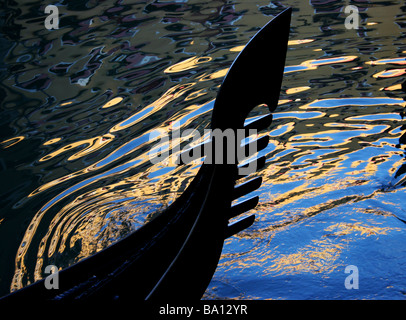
pixel 92 145
pixel 399 61
pixel 299 41
pixel 392 88
pixel 290 43
pixel 66 103
pixel 297 89
pixel 215 75
pixel 322 254
pixel 52 141
pixel 83 225
pixel 237 49
pixel 60 225
pixel 98 142
pixel 170 95
pixel 187 64
pixel 113 102
pixel 390 73
pixel 11 142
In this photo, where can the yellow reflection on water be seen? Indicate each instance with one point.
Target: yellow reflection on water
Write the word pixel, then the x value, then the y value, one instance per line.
pixel 98 142
pixel 90 221
pixel 112 102
pixel 390 73
pixel 297 89
pixel 321 255
pixel 195 94
pixel 237 49
pixel 11 142
pixel 217 74
pixel 299 41
pixel 399 61
pixel 392 88
pixel 170 95
pixel 283 101
pixel 187 64
pixel 93 144
pixel 290 43
pixel 66 103
pixel 52 141
pixel 340 229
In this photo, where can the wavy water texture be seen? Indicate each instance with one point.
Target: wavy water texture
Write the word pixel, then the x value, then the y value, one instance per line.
pixel 81 106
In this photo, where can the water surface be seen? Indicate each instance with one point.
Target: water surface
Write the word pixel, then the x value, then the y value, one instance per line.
pixel 78 105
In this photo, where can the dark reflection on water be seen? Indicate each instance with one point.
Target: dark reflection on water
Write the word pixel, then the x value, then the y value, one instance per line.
pixel 78 105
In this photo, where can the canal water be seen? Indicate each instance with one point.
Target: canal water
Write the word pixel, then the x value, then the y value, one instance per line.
pixel 78 105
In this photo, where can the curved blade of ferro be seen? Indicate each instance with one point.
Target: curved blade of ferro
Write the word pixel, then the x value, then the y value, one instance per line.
pixel 255 77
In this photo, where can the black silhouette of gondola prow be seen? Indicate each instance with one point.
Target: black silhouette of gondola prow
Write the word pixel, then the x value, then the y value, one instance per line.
pixel 175 255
